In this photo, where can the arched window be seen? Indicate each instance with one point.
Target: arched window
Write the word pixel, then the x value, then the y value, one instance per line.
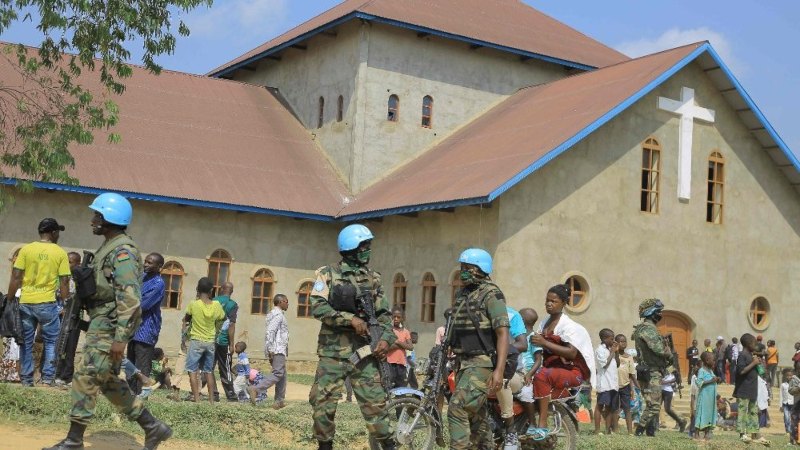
pixel 428 298
pixel 455 284
pixel 393 114
pixel 580 290
pixel 321 112
pixel 172 273
pixel 427 112
pixel 759 313
pixel 399 297
pixel 304 299
pixel 263 282
pixel 340 109
pixel 716 185
pixel 219 268
pixel 651 175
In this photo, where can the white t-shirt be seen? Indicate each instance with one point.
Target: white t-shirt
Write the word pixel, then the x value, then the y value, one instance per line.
pixel 607 378
pixel 666 383
pixel 763 395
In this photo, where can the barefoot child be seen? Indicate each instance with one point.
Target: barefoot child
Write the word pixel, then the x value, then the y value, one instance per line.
pixel 705 413
pixel 242 381
pixel 627 383
pixel 159 370
pixel 532 361
pixel 746 391
pixel 607 358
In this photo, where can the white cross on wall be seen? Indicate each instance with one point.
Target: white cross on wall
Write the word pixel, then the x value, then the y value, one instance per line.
pixel 688 111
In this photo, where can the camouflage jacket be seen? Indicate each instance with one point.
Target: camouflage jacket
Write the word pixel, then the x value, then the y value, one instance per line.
pixel 337 339
pixel 650 346
pixel 117 261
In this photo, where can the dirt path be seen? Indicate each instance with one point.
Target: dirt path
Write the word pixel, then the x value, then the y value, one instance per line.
pixel 25 437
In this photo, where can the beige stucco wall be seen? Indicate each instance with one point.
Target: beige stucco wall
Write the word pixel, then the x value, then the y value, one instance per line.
pixel 581 213
pixel 290 248
pixel 366 63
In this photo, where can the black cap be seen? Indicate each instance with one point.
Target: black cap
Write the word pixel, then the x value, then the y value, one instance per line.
pixel 49 224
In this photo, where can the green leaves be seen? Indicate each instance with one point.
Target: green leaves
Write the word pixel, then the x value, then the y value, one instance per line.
pixel 50 107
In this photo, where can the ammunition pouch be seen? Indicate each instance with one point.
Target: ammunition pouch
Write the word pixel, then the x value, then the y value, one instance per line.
pixel 343 298
pixel 643 372
pixel 470 341
pixel 85 284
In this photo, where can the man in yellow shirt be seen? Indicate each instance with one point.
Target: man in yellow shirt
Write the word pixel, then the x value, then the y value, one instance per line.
pixel 41 268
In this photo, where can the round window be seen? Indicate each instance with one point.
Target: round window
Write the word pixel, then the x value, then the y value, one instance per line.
pixel 579 299
pixel 759 313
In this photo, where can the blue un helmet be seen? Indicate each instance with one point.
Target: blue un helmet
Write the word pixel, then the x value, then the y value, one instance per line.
pixel 115 208
pixel 477 257
pixel 352 236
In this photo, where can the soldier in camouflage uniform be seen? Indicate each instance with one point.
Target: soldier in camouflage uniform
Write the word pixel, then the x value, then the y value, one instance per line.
pixel 655 355
pixel 480 330
pixel 343 330
pixel 114 316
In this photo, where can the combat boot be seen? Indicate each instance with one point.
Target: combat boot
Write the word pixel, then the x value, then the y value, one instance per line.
pixel 389 444
pixel 325 445
pixel 639 430
pixel 74 439
pixel 155 431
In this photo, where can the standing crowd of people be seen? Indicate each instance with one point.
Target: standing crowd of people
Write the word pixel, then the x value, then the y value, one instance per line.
pixel 496 350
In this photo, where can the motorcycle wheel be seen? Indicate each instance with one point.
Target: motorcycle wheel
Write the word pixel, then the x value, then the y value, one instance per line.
pixel 414 428
pixel 565 438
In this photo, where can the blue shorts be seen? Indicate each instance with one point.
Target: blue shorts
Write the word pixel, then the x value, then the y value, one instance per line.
pixel 200 357
pixel 609 399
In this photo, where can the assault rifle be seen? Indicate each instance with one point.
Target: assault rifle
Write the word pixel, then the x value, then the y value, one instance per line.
pixel 72 321
pixel 367 304
pixel 675 364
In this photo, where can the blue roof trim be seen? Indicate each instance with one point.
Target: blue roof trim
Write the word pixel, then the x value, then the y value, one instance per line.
pixel 752 105
pixel 413 209
pixel 173 200
pixel 566 145
pixel 285 45
pixel 469 40
pixel 397 23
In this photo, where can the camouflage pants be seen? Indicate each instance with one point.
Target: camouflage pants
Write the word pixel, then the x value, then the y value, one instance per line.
pixel 651 392
pixel 327 391
pixel 467 410
pixel 97 373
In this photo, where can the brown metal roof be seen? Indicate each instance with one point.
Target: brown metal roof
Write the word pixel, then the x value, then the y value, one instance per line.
pixel 206 140
pixel 509 24
pixel 500 146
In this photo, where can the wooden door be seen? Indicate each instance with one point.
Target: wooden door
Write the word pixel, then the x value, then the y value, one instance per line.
pixel 675 323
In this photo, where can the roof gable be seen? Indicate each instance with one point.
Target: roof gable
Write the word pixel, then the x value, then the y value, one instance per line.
pixel 498 150
pixel 507 25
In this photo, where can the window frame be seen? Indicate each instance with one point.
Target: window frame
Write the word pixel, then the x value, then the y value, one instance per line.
pixel 262 299
pixel 428 116
pixel 393 113
pixel 304 289
pixel 428 298
pixel 764 311
pixel 650 147
pixel 585 292
pixel 172 269
pixel 340 108
pixel 400 285
pixel 219 260
pixel 715 183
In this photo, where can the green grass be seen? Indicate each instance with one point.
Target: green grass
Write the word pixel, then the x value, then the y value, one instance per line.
pixel 300 378
pixel 237 425
pixel 244 426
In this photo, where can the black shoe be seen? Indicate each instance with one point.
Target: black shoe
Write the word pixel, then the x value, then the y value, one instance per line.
pixel 639 430
pixel 325 445
pixel 155 431
pixel 74 439
pixel 682 426
pixel 389 444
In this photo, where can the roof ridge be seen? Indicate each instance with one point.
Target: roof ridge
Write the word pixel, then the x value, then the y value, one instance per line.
pixel 148 71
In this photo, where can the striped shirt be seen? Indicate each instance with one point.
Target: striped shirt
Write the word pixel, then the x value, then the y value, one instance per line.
pixel 276 340
pixel 152 295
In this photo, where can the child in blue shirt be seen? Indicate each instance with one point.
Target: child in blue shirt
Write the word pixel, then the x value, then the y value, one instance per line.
pixel 531 360
pixel 242 381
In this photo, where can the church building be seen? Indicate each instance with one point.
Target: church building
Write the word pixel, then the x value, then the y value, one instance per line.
pixel 441 126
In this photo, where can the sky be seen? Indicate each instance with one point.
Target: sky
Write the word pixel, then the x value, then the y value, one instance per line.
pixel 758 39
